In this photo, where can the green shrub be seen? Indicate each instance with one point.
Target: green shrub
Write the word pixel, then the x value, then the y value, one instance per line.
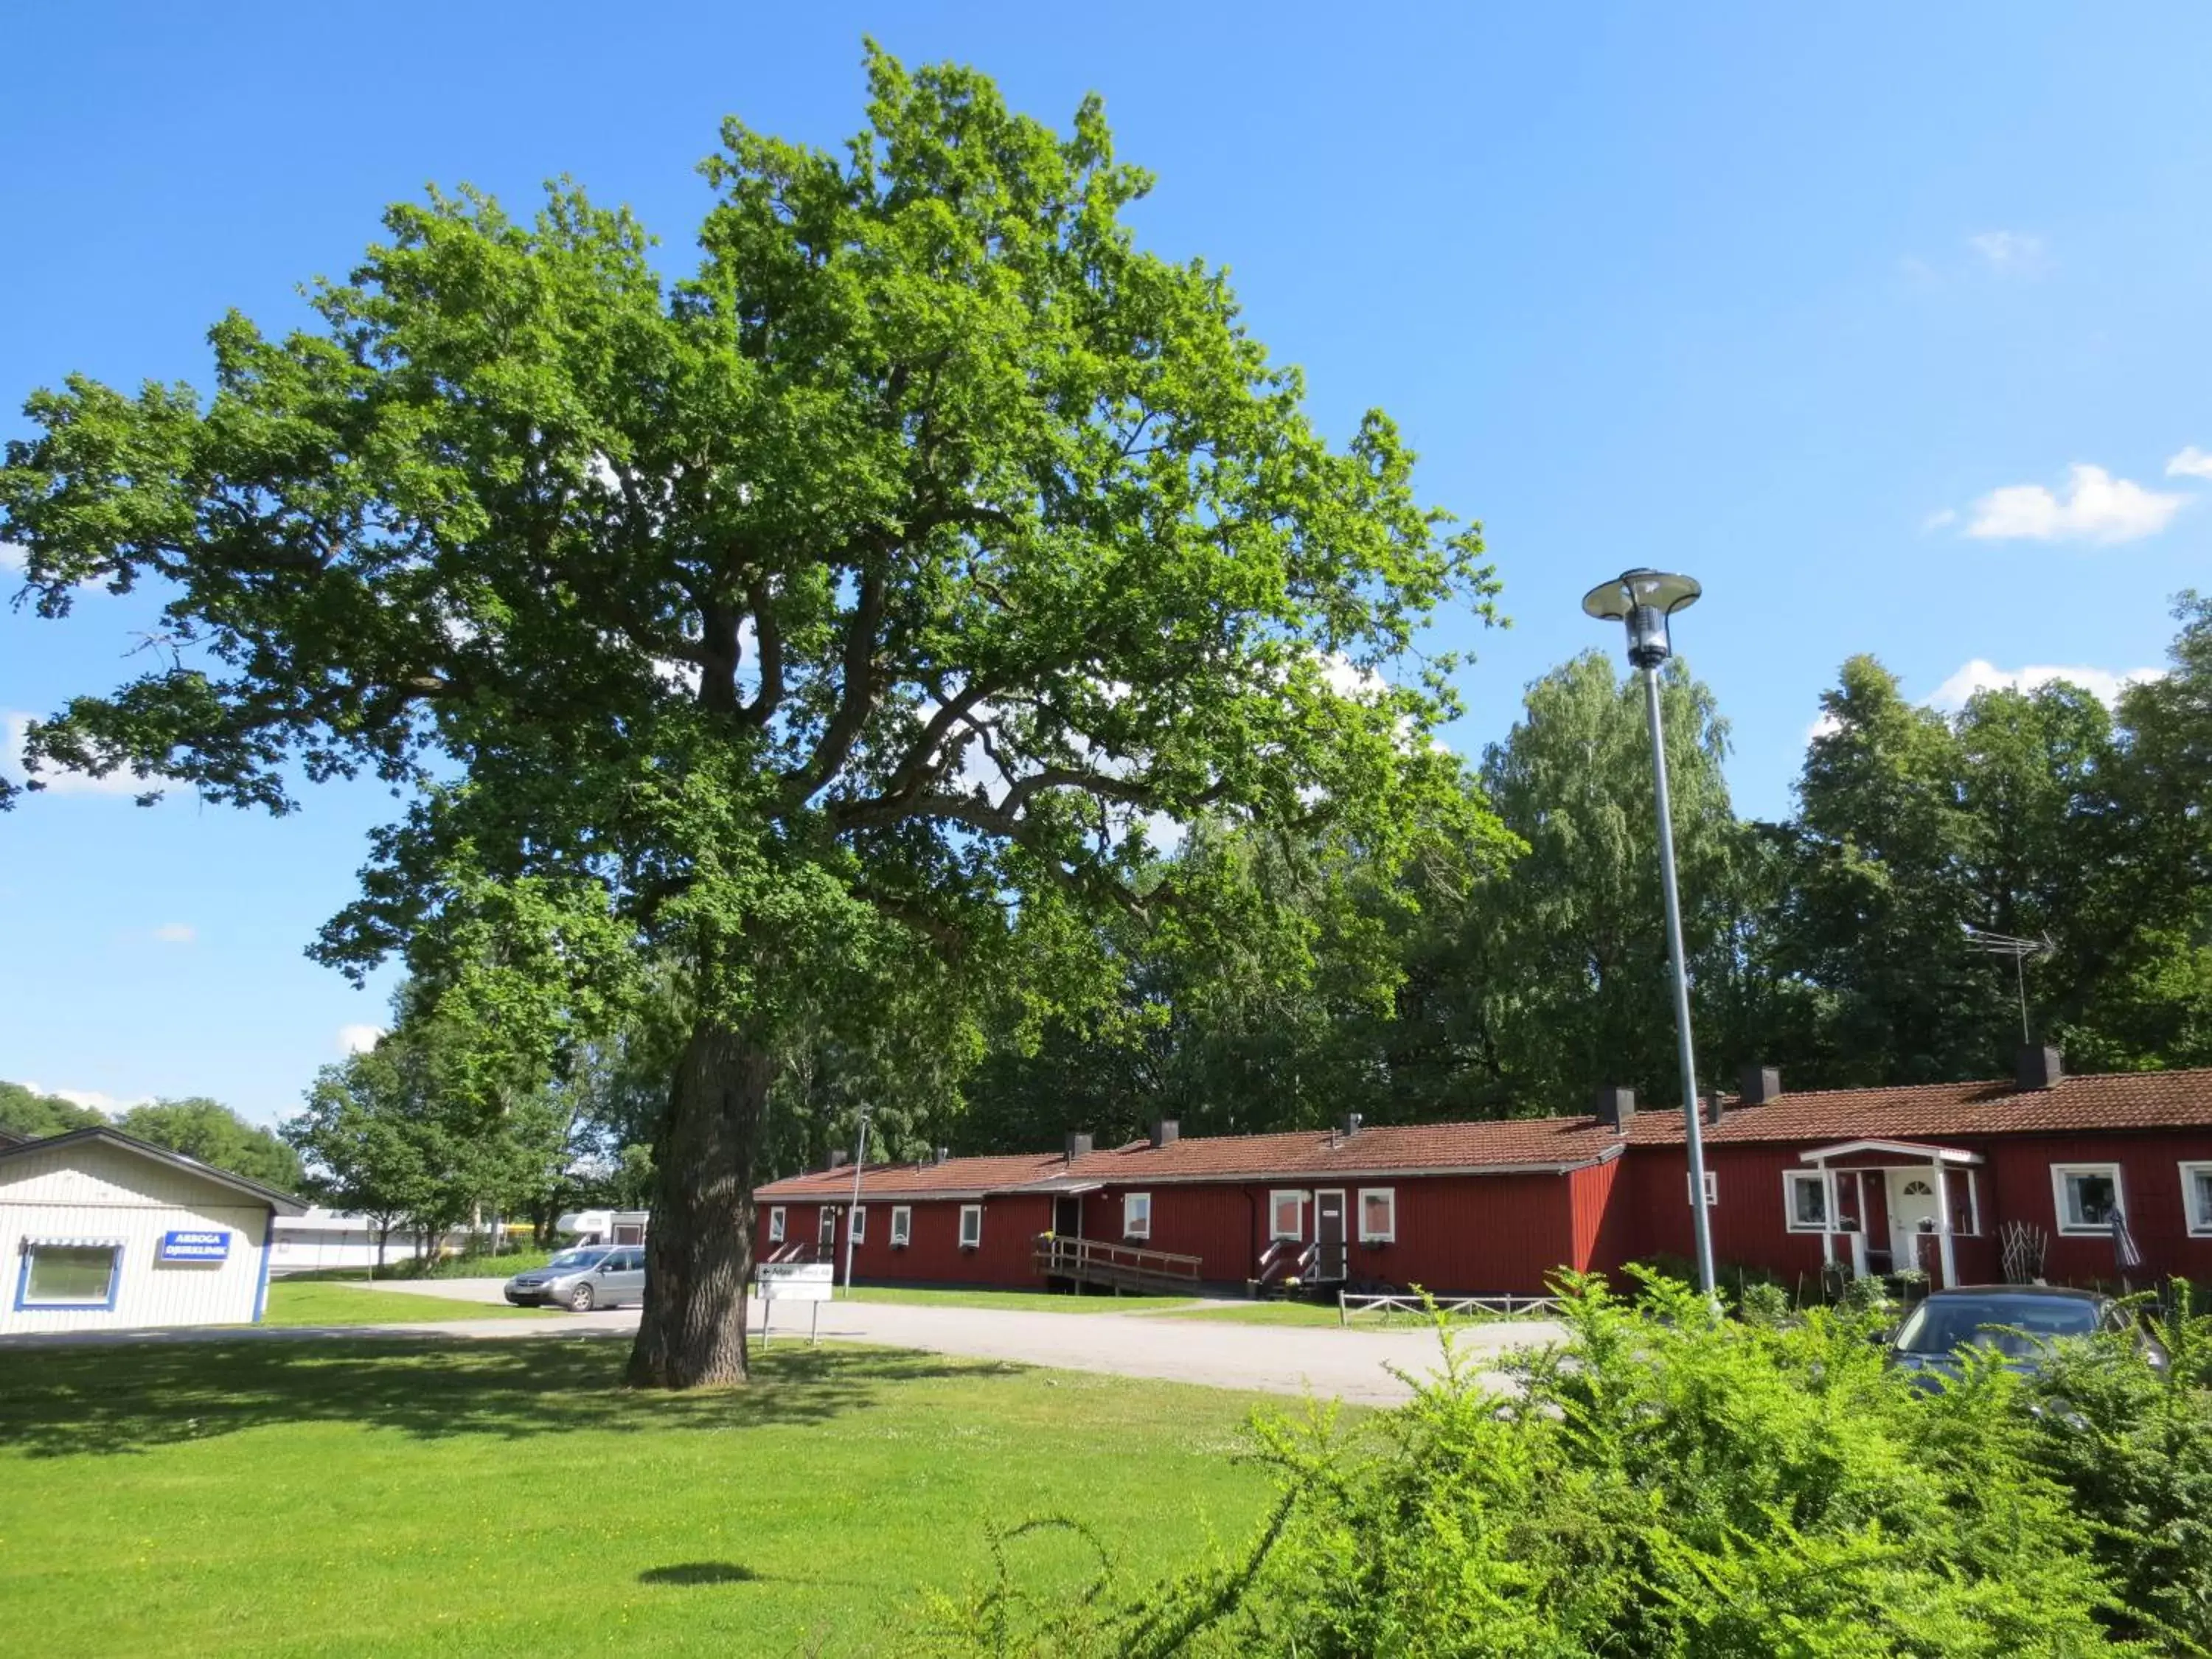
pixel 2135 1450
pixel 1668 1482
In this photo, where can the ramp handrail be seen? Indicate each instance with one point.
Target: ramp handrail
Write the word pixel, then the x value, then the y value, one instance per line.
pixel 1058 1257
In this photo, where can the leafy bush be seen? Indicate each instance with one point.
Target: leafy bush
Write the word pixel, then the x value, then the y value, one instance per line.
pixel 1668 1482
pixel 2135 1450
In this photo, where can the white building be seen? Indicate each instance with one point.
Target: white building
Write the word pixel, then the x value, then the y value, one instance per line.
pixel 340 1238
pixel 605 1226
pixel 110 1233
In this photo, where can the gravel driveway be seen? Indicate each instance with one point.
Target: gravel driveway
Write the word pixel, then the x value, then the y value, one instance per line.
pixel 1357 1365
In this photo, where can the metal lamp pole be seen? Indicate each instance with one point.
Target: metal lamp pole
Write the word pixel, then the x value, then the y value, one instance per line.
pixel 859 1163
pixel 1645 600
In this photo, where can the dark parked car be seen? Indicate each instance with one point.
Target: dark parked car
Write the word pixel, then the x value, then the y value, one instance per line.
pixel 2020 1322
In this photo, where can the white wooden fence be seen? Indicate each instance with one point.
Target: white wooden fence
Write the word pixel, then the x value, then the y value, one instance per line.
pixel 1465 1307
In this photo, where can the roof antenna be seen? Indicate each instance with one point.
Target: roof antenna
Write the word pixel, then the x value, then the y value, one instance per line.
pixel 2019 949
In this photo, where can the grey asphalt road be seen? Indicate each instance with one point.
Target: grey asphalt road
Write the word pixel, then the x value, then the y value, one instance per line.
pixel 1358 1365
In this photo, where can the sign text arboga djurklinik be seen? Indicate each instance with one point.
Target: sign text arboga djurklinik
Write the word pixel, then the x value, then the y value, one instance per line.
pixel 196 1247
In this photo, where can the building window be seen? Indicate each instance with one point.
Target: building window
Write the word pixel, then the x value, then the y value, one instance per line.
pixel 1136 1215
pixel 1805 1194
pixel 859 1224
pixel 902 1225
pixel 2197 1198
pixel 69 1273
pixel 1712 1189
pixel 1378 1215
pixel 1286 1215
pixel 1966 1205
pixel 825 1227
pixel 971 1225
pixel 775 1225
pixel 2088 1196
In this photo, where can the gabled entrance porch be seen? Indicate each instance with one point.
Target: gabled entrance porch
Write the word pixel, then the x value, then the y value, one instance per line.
pixel 1895 1205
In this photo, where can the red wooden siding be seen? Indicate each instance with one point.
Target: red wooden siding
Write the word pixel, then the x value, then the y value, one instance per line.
pixel 2150 1196
pixel 933 1256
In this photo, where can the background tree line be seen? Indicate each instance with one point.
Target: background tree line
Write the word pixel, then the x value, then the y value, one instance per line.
pixel 1833 944
pixel 198 1127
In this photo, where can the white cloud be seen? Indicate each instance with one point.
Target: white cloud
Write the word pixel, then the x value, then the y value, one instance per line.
pixel 2191 462
pixel 11 556
pixel 358 1039
pixel 175 933
pixel 2093 506
pixel 1826 727
pixel 2010 252
pixel 112 1105
pixel 1939 519
pixel 2104 683
pixel 121 782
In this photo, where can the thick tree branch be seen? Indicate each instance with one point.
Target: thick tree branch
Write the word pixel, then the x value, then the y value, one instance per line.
pixel 767 647
pixel 858 698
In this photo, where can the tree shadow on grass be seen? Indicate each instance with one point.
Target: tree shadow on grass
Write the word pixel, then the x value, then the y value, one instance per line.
pixel 109 1398
pixel 699 1573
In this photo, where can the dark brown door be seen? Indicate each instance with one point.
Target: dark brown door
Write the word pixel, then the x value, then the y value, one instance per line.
pixel 1067 1217
pixel 1329 1236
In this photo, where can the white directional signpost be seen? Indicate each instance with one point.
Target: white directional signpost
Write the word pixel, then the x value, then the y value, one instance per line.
pixel 795 1281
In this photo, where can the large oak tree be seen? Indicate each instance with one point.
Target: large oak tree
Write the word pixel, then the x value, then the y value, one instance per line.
pixel 875 590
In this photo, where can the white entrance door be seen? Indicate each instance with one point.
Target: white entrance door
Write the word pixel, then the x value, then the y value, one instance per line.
pixel 1912 1214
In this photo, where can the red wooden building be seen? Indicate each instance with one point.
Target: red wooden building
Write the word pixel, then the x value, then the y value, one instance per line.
pixel 1835 1180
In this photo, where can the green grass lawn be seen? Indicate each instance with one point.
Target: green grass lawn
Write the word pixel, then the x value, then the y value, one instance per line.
pixel 1020 1301
pixel 314 1303
pixel 374 1497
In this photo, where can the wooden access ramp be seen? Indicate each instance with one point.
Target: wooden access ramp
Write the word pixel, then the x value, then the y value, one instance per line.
pixel 1118 1268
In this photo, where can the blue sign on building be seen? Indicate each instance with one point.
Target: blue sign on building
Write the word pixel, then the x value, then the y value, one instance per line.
pixel 196 1247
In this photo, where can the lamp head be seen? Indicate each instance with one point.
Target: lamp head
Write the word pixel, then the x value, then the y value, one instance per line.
pixel 1643 600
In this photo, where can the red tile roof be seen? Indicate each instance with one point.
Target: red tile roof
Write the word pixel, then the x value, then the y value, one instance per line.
pixel 1938 1111
pixel 1535 1144
pixel 1922 1112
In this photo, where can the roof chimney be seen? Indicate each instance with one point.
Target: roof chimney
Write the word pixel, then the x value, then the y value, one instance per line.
pixel 1712 1106
pixel 1613 1106
pixel 1348 1125
pixel 1758 1084
pixel 1166 1132
pixel 2038 1067
pixel 838 1159
pixel 1079 1144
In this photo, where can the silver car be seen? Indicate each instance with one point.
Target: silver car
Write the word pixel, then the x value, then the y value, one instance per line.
pixel 595 1276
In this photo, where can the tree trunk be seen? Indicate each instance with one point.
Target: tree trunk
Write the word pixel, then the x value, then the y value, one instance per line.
pixel 699 1247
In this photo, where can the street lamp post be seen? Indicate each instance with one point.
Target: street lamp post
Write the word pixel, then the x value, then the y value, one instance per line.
pixel 1645 600
pixel 859 1163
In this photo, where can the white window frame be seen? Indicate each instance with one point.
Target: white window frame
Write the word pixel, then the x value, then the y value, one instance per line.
pixel 1973 1205
pixel 1276 1200
pixel 859 1224
pixel 776 1224
pixel 971 1238
pixel 825 1227
pixel 1790 1181
pixel 1390 1196
pixel 1136 1215
pixel 1712 1190
pixel 2199 1221
pixel 31 1247
pixel 2061 1210
pixel 902 1225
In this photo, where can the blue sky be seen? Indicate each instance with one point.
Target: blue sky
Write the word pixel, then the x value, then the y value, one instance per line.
pixel 1750 291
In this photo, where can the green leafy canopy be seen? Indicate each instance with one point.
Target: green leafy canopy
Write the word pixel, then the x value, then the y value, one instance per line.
pixel 893 577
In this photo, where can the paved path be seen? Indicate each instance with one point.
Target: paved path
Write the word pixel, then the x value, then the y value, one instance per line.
pixel 1356 1365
